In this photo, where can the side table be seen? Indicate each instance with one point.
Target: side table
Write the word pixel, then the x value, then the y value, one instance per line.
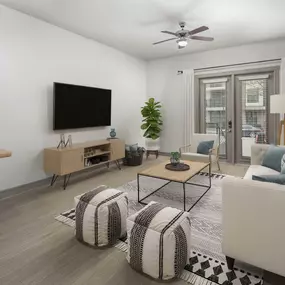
pixel 155 152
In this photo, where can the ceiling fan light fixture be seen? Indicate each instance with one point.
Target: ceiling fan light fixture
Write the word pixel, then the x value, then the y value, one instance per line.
pixel 182 42
pixel 182 36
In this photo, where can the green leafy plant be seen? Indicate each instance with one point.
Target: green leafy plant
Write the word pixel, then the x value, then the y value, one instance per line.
pixel 175 155
pixel 151 119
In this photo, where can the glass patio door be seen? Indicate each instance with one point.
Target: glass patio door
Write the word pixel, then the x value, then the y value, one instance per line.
pixel 252 113
pixel 214 116
pixel 236 106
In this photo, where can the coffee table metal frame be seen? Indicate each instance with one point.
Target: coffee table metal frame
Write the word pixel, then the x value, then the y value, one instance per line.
pixel 208 187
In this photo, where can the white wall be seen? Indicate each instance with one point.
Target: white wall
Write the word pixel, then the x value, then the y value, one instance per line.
pixel 164 84
pixel 34 54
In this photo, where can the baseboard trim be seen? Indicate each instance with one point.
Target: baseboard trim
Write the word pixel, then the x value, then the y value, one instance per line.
pixel 7 193
pixel 43 183
pixel 162 153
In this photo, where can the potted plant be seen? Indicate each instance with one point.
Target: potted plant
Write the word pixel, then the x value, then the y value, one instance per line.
pixel 175 158
pixel 151 123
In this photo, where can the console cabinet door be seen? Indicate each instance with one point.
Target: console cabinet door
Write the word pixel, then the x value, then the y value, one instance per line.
pixel 117 149
pixel 72 161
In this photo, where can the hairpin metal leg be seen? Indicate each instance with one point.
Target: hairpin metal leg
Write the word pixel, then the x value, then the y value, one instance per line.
pixel 118 164
pixel 54 177
pixel 66 180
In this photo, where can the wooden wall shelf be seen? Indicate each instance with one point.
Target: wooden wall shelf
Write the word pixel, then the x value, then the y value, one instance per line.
pixel 65 161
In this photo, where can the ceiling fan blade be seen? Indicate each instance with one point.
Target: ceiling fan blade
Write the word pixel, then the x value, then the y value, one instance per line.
pixel 180 47
pixel 208 39
pixel 164 41
pixel 170 33
pixel 198 30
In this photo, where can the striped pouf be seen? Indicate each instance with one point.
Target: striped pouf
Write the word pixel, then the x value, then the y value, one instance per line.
pixel 159 241
pixel 100 216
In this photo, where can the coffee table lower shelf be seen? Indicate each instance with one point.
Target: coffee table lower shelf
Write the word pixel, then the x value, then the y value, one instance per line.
pixel 208 187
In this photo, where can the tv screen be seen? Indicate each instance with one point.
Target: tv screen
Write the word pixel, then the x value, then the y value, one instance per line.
pixel 80 107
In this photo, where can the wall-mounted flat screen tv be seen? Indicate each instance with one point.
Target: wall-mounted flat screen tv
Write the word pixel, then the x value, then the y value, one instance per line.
pixel 80 107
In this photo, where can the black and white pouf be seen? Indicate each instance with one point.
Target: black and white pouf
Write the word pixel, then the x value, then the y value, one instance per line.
pixel 100 216
pixel 159 241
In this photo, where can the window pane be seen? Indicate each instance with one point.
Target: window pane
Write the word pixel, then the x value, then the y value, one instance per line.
pixel 254 119
pixel 215 110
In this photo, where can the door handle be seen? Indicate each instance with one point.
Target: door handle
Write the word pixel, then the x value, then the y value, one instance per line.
pixel 230 126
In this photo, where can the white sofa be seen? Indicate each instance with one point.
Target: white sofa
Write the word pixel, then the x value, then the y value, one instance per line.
pixel 254 218
pixel 189 152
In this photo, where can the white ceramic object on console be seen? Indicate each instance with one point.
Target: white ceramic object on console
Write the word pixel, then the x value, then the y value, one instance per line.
pixel 152 144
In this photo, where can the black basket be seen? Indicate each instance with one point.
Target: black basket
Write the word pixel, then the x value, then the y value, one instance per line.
pixel 134 158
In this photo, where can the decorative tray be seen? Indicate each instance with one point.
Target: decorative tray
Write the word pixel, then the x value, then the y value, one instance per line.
pixel 177 167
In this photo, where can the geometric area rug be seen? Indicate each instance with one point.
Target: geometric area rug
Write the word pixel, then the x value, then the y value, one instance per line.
pixel 207 265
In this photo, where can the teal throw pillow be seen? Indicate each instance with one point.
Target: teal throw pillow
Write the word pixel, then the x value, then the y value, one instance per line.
pixel 273 156
pixel 204 147
pixel 283 164
pixel 275 178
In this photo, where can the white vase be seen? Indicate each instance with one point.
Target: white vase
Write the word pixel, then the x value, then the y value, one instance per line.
pixel 152 144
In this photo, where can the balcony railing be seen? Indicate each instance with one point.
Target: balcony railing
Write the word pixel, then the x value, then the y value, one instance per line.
pixel 215 103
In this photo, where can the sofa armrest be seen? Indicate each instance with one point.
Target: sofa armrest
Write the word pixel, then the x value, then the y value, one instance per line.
pixel 253 223
pixel 257 153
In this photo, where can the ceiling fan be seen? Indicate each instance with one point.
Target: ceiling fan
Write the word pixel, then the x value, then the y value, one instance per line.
pixel 182 36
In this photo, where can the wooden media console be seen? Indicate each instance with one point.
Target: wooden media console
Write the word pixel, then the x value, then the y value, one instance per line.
pixel 68 160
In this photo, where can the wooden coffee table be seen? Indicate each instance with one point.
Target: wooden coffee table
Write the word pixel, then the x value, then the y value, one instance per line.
pixel 160 172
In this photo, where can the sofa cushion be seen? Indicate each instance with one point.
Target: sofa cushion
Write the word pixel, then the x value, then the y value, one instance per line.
pixel 276 178
pixel 204 147
pixel 273 156
pixel 259 170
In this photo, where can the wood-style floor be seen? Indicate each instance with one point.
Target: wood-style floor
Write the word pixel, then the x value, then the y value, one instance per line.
pixel 36 249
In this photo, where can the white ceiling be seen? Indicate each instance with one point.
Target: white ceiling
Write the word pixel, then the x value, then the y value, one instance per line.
pixel 133 25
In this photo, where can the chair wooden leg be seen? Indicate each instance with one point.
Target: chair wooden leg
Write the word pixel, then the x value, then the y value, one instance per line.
pixel 230 262
pixel 147 154
pixel 218 163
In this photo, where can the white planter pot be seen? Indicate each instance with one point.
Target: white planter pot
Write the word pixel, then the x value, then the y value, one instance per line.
pixel 152 144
